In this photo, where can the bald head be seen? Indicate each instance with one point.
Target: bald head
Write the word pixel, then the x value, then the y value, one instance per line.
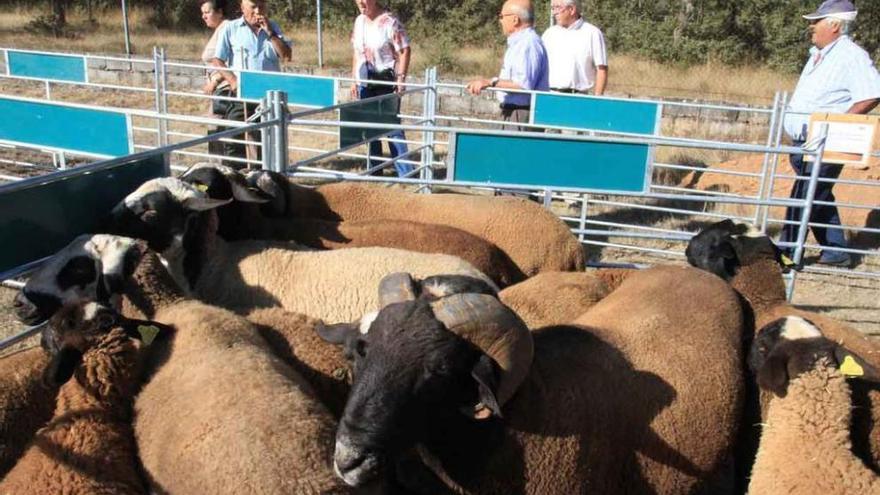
pixel 520 8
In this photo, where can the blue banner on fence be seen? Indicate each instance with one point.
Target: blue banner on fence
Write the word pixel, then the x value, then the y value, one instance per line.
pixel 559 162
pixel 603 114
pixel 55 125
pixel 45 66
pixel 301 90
pixel 38 221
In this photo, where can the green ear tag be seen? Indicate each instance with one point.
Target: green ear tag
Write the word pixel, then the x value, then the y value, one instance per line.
pixel 851 368
pixel 148 333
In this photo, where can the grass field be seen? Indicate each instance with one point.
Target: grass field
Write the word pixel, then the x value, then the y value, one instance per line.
pixel 628 75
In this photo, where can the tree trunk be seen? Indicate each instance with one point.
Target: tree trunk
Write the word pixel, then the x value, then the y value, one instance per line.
pixel 59 19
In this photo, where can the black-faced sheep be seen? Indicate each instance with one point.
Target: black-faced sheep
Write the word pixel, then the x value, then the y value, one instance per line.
pixel 245 219
pixel 753 266
pixel 533 238
pixel 805 443
pixel 88 446
pixel 26 402
pixel 331 285
pixel 639 395
pixel 220 412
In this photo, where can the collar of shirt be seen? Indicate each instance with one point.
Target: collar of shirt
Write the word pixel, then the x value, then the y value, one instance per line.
pixel 824 51
pixel 520 35
pixel 576 24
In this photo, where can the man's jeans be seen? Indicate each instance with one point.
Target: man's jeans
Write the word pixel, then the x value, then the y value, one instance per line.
pixel 396 149
pixel 827 214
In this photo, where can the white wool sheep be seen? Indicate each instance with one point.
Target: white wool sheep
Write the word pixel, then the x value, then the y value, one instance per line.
pixel 335 286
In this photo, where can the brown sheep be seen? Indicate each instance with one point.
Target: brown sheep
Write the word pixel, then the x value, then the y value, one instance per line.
pixel 88 446
pixel 554 298
pixel 754 269
pixel 26 402
pixel 805 445
pixel 533 238
pixel 246 219
pixel 641 394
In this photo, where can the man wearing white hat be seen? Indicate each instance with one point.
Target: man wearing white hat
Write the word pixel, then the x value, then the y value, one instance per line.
pixel 839 77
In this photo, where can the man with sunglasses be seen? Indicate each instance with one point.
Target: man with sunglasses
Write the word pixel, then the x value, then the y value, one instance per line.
pixel 839 77
pixel 524 66
pixel 575 50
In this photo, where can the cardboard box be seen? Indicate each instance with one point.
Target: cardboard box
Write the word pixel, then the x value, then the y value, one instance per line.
pixel 851 137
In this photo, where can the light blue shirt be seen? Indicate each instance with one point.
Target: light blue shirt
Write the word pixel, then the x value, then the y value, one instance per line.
pixel 525 63
pixel 259 54
pixel 844 75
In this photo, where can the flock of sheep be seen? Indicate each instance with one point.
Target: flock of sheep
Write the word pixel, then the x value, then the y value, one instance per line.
pixel 241 334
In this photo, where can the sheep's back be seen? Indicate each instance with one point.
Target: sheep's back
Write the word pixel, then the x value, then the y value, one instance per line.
pixel 26 403
pixel 554 298
pixel 334 286
pixel 684 327
pixel 223 415
pixel 530 235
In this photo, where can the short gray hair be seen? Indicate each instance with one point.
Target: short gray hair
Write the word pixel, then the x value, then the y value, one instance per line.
pixel 575 3
pixel 524 14
pixel 845 25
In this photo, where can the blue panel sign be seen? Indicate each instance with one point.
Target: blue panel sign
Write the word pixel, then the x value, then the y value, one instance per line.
pixel 63 127
pixel 560 162
pixel 46 66
pixel 39 220
pixel 301 90
pixel 602 114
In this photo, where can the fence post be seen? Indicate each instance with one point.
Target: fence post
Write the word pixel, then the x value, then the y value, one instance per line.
pixel 161 96
pixel 774 162
pixel 429 109
pixel 278 100
pixel 807 209
pixel 760 210
pixel 266 135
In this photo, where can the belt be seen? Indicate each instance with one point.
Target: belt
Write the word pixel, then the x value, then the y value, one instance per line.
pixel 564 90
pixel 510 106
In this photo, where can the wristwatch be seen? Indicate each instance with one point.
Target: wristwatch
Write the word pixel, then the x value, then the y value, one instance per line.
pixel 493 82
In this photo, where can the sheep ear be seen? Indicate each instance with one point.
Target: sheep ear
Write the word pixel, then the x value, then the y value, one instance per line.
pixel 485 374
pixel 853 366
pixel 62 365
pixel 337 333
pixel 203 204
pixel 773 375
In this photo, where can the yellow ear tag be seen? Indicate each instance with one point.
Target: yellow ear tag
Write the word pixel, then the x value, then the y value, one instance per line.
pixel 786 261
pixel 201 187
pixel 148 333
pixel 851 368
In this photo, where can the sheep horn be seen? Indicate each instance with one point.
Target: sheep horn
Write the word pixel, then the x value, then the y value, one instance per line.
pixel 396 287
pixel 482 320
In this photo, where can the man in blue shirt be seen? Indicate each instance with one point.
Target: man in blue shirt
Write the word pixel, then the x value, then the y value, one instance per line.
pixel 524 67
pixel 839 77
pixel 251 42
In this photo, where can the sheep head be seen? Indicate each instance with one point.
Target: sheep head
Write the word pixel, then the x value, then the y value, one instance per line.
pixel 223 183
pixel 427 356
pixel 92 268
pixel 791 346
pixel 95 333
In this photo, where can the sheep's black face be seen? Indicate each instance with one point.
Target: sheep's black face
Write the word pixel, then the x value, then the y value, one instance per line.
pixel 712 250
pixel 156 217
pixel 211 180
pixel 91 268
pixel 411 378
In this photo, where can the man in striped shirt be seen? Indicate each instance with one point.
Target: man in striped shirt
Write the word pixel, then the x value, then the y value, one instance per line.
pixel 839 77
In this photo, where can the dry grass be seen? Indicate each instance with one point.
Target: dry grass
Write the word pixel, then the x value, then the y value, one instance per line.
pixel 629 75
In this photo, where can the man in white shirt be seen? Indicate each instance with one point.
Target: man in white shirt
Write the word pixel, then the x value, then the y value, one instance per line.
pixel 575 50
pixel 839 77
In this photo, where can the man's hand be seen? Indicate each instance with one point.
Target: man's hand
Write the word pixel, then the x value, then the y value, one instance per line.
pixel 401 87
pixel 263 23
pixel 354 91
pixel 209 87
pixel 474 87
